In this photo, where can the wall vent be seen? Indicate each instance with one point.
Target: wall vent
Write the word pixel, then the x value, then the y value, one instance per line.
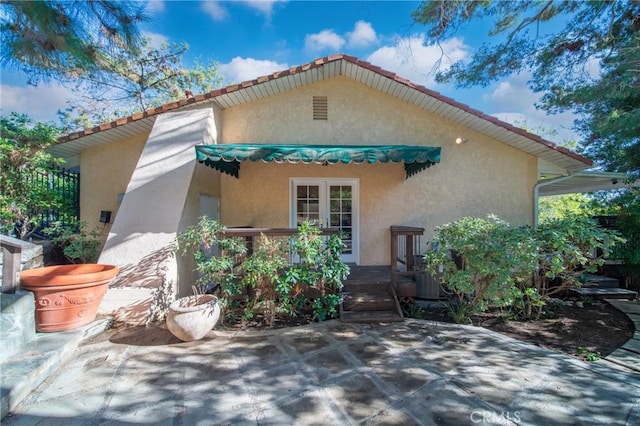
pixel 320 108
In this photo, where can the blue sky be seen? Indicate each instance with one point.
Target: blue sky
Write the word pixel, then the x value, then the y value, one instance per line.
pixel 253 38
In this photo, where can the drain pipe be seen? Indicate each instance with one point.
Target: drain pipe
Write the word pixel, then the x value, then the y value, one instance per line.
pixel 536 194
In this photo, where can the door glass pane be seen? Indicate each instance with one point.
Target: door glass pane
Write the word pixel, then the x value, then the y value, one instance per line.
pixel 327 204
pixel 307 203
pixel 340 213
pixel 334 192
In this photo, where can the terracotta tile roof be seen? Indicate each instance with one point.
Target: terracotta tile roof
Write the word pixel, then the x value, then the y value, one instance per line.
pixel 317 63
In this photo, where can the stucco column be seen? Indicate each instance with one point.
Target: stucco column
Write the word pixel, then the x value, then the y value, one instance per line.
pixel 151 214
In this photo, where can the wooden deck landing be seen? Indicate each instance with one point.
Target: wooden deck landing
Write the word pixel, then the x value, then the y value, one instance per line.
pixel 368 295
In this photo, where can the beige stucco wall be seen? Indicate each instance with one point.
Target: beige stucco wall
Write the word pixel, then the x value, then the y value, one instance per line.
pixel 105 173
pixel 479 177
pixel 205 181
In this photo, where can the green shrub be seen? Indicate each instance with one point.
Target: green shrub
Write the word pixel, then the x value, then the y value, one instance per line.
pixel 78 243
pixel 275 286
pixel 214 256
pixel 566 249
pixel 319 266
pixel 481 262
pixel 487 263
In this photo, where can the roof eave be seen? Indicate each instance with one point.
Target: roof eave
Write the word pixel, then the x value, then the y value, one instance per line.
pixel 341 64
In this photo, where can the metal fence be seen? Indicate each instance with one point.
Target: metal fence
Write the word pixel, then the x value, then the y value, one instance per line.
pixel 64 185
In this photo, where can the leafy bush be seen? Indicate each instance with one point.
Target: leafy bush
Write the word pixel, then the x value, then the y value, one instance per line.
pixel 78 243
pixel 214 254
pixel 487 263
pixel 262 272
pixel 566 250
pixel 319 267
pixel 275 286
pixel 481 262
pixel 23 156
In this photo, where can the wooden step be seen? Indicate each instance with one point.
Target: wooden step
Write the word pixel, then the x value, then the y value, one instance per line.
pixel 600 281
pixel 367 302
pixel 605 293
pixel 365 287
pixel 371 316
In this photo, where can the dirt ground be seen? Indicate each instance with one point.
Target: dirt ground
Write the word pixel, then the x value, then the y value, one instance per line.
pixel 588 333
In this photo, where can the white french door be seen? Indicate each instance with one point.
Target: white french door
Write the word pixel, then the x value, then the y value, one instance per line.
pixel 329 202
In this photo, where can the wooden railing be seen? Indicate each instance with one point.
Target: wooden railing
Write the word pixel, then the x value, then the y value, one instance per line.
pixel 405 244
pixel 250 235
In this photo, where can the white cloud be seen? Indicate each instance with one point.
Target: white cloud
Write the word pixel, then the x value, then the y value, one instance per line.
pixel 156 39
pixel 362 35
pixel 411 59
pixel 155 6
pixel 325 39
pixel 214 10
pixel 514 102
pixel 512 92
pixel 555 128
pixel 40 103
pixel 510 100
pixel 263 6
pixel 242 69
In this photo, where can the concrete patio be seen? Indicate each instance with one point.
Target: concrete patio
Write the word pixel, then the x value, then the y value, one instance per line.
pixel 415 372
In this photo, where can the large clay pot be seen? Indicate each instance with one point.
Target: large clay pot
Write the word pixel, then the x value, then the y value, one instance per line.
pixel 191 318
pixel 67 296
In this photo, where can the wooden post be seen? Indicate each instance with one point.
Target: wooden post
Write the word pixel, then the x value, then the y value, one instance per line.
pixel 11 259
pixel 409 252
pixel 394 258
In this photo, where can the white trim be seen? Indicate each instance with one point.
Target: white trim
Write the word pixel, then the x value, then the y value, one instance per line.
pixel 324 183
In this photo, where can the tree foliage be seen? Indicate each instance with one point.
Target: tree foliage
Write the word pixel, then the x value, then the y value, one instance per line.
pixel 590 65
pixel 22 155
pixel 570 205
pixel 135 79
pixel 58 38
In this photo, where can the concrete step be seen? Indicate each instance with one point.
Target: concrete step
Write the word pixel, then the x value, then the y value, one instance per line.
pixel 600 281
pixel 17 322
pixel 367 302
pixel 605 293
pixel 371 316
pixel 35 362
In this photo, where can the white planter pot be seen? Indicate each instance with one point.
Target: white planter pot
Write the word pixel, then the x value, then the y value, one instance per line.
pixel 190 321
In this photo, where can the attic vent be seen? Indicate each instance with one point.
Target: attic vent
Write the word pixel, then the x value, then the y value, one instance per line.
pixel 320 108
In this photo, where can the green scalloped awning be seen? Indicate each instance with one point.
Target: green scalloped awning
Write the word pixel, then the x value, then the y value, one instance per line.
pixel 227 157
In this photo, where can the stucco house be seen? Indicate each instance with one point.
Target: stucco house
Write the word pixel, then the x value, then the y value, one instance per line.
pixel 337 140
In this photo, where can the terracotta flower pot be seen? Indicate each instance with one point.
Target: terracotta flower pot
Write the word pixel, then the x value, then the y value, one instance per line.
pixel 67 296
pixel 191 318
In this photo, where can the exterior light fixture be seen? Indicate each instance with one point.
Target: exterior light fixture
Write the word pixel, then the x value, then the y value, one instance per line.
pixel 460 141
